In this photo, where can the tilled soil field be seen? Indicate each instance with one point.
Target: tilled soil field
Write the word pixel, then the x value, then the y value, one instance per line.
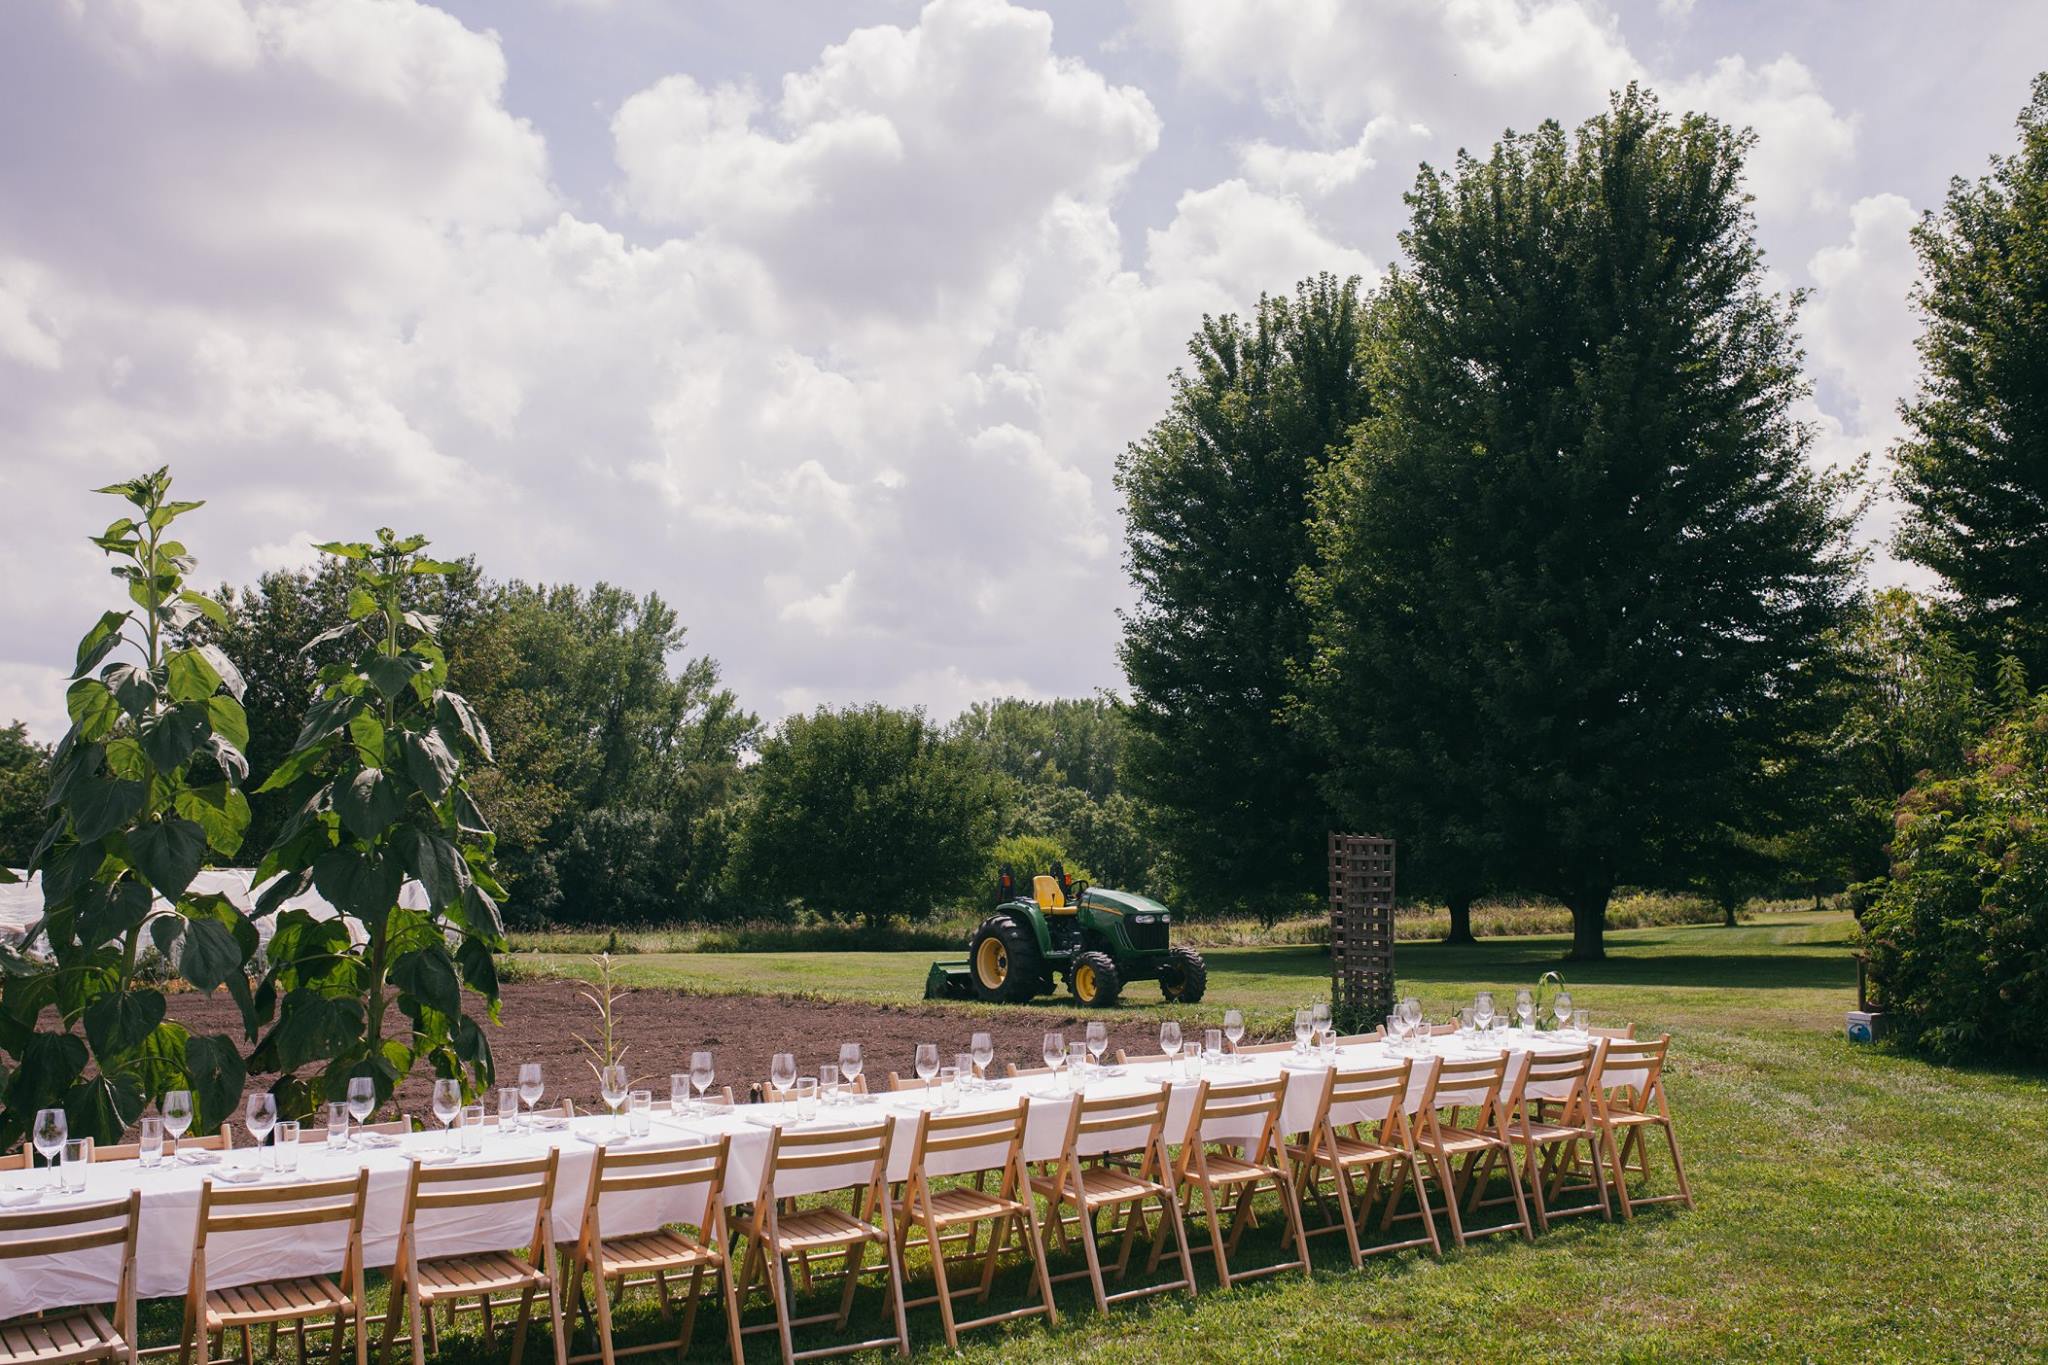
pixel 543 1019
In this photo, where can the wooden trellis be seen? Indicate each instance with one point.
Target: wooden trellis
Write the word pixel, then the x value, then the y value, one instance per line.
pixel 1362 924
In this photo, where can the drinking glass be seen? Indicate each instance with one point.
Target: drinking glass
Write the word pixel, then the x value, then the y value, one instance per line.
pixel 508 1109
pixel 1393 1031
pixel 1304 1025
pixel 1169 1041
pixel 1077 1062
pixel 260 1117
pixel 1525 1007
pixel 1233 1028
pixel 828 1084
pixel 640 1113
pixel 1465 1024
pixel 1054 1049
pixel 945 1093
pixel 963 1066
pixel 151 1149
pixel 1563 1008
pixel 1411 1012
pixel 1319 1015
pixel 984 1049
pixel 530 1085
pixel 177 1112
pixel 612 1084
pixel 1098 1040
pixel 337 1125
pixel 849 1064
pixel 362 1098
pixel 447 1105
pixel 1582 1020
pixel 284 1146
pixel 927 1062
pixel 702 1074
pixel 806 1099
pixel 77 1160
pixel 1212 1044
pixel 1482 1010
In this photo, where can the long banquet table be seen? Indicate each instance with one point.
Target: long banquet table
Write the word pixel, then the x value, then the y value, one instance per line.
pixel 170 1191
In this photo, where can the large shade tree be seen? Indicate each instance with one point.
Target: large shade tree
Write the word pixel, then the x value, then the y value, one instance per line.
pixel 1576 579
pixel 1973 469
pixel 1217 497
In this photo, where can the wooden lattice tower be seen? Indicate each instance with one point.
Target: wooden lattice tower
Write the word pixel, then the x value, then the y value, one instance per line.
pixel 1362 924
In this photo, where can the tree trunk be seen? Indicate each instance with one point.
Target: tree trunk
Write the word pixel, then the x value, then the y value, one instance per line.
pixel 1589 923
pixel 1728 914
pixel 1461 921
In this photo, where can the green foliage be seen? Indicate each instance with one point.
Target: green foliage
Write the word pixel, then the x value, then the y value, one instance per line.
pixel 146 787
pixel 1217 496
pixel 1575 582
pixel 1027 855
pixel 379 778
pixel 24 777
pixel 867 812
pixel 1973 472
pixel 1959 934
pixel 1074 742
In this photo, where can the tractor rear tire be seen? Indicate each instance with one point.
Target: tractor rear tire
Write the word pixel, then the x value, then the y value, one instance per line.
pixel 1185 976
pixel 1003 961
pixel 1094 980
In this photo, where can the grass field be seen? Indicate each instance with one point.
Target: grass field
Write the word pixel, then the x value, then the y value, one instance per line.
pixel 1853 1205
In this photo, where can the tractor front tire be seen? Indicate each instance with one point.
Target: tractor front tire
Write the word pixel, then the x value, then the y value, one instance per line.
pixel 1003 961
pixel 1094 980
pixel 1185 976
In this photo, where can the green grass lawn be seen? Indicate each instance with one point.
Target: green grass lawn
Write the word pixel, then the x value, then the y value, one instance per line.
pixel 1853 1205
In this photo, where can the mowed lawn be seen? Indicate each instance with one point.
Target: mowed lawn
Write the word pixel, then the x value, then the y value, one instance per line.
pixel 1853 1205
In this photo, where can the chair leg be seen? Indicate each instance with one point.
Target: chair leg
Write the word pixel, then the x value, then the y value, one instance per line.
pixel 519 1327
pixel 601 1295
pixel 689 1326
pixel 1037 1247
pixel 931 1232
pixel 1094 1259
pixel 779 1289
pixel 1678 1164
pixel 730 1293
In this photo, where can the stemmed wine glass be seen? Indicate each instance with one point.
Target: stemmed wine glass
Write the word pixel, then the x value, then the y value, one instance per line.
pixel 1098 1040
pixel 927 1066
pixel 1054 1049
pixel 177 1112
pixel 1525 1008
pixel 782 1074
pixel 702 1074
pixel 849 1066
pixel 984 1049
pixel 447 1104
pixel 613 1085
pixel 1319 1018
pixel 1169 1041
pixel 1304 1025
pixel 51 1132
pixel 1562 1006
pixel 362 1102
pixel 260 1117
pixel 531 1087
pixel 1482 1011
pixel 1233 1028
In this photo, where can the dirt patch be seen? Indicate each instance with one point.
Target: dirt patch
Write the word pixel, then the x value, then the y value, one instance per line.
pixel 542 1020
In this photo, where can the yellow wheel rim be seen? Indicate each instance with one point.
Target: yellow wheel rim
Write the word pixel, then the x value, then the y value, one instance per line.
pixel 1084 983
pixel 991 963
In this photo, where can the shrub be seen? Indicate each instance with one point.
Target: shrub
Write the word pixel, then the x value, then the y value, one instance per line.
pixel 1959 936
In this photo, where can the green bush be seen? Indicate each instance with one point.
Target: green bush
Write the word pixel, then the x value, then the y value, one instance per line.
pixel 1958 938
pixel 1026 855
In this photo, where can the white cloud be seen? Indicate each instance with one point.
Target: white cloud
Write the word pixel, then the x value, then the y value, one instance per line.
pixel 1860 326
pixel 1802 142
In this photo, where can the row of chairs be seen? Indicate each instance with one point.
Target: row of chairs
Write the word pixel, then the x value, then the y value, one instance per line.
pixel 1382 1139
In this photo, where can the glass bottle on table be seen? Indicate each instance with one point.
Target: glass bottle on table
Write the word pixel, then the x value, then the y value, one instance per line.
pixel 177 1112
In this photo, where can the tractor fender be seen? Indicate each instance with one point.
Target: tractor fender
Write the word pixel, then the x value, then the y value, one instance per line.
pixel 1027 913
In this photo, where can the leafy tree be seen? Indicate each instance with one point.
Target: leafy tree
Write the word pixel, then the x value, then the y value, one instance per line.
pixel 1070 741
pixel 1575 582
pixel 1959 932
pixel 146 786
pixel 24 775
pixel 1973 472
pixel 867 812
pixel 380 773
pixel 1217 497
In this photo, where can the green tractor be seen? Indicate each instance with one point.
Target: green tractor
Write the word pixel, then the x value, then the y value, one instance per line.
pixel 1100 941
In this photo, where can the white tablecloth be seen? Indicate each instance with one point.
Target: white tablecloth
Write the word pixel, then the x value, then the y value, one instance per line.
pixel 170 1192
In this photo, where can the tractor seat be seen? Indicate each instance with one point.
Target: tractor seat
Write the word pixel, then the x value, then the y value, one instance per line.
pixel 1046 890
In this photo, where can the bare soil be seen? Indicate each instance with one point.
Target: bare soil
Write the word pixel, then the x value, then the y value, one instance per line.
pixel 542 1021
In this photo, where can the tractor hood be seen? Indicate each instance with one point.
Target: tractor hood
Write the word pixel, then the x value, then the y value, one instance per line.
pixel 1123 903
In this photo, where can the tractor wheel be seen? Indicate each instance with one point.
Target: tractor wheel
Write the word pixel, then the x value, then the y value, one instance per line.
pixel 1003 961
pixel 1184 977
pixel 1094 980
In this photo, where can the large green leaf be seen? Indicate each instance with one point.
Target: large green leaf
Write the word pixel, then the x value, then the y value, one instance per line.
pixel 210 954
pixel 479 968
pixel 131 687
pixel 230 676
pixel 168 852
pixel 430 977
pixel 67 870
pixel 92 708
pixel 368 803
pixel 173 736
pixel 102 805
pixel 296 765
pixel 360 882
pixel 119 1020
pixel 107 912
pixel 50 1062
pixel 229 720
pixel 229 756
pixel 99 642
pixel 366 732
pixel 217 1079
pixel 392 675
pixel 73 763
pixel 436 863
pixel 102 1107
pixel 428 762
pixel 310 1027
pixel 189 677
pixel 454 715
pixel 205 606
pixel 218 809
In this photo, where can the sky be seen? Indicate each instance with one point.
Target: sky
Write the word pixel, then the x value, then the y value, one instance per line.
pixel 826 321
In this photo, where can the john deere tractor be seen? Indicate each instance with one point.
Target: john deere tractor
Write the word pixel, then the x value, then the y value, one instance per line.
pixel 1100 941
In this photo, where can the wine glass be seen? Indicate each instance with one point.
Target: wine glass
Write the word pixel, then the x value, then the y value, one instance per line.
pixel 531 1087
pixel 1411 1012
pixel 1525 1008
pixel 1169 1041
pixel 1319 1016
pixel 612 1084
pixel 1098 1040
pixel 1304 1025
pixel 702 1074
pixel 260 1117
pixel 447 1104
pixel 1054 1050
pixel 1233 1028
pixel 177 1112
pixel 984 1049
pixel 679 1092
pixel 927 1064
pixel 51 1131
pixel 1562 1006
pixel 849 1066
pixel 782 1073
pixel 1482 1010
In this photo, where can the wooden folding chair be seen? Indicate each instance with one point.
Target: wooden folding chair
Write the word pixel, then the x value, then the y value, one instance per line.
pixel 1244 1115
pixel 693 1170
pixel 419 1285
pixel 129 1151
pixel 1550 1112
pixel 1361 1129
pixel 981 1143
pixel 1125 1137
pixel 298 1300
pixel 73 1334
pixel 1627 1093
pixel 851 1162
pixel 1477 1148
